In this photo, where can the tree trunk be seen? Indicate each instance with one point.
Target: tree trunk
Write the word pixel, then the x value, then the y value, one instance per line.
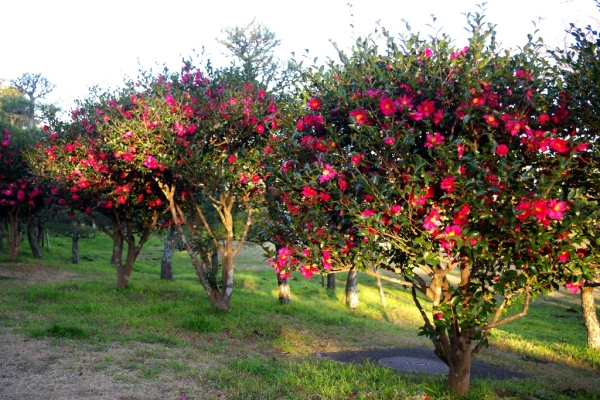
pixel 223 303
pixel 1 239
pixel 40 232
pixel 166 270
pixel 13 235
pixel 284 290
pixel 117 252
pixel 381 293
pixel 590 317
pixel 32 235
pixel 47 239
pixel 75 249
pixel 352 289
pixel 331 281
pixel 459 376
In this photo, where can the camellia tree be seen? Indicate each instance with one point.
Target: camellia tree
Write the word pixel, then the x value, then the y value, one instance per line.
pixel 201 138
pixel 80 160
pixel 579 69
pixel 429 160
pixel 21 194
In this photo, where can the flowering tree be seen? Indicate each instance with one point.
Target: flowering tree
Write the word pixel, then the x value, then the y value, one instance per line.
pixel 200 140
pixel 90 175
pixel 21 194
pixel 579 67
pixel 433 161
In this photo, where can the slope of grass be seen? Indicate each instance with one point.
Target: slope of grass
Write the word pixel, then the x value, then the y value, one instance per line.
pixel 262 349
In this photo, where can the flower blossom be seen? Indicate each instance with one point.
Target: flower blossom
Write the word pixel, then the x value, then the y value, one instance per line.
pixel 434 140
pixel 328 173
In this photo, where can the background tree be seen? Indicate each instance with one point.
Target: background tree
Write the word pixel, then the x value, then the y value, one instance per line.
pixel 199 138
pixel 431 160
pixel 21 193
pixel 34 87
pixel 579 67
pixel 75 225
pixel 252 48
pixel 91 176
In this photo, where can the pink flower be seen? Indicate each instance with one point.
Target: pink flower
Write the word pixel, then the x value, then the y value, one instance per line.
pixel 231 159
pixel 387 106
pixel 150 162
pixel 432 220
pixel 243 178
pixel 539 209
pixel 328 173
pixel 260 129
pixel 426 108
pixel 448 185
pixel 439 316
pixel 396 209
pixel 573 288
pixel 427 53
pixel 556 209
pixel 368 212
pixel 434 140
pixel 502 150
pixel 389 141
pixel 327 262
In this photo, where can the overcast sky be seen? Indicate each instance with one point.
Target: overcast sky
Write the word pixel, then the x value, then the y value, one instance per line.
pixel 76 44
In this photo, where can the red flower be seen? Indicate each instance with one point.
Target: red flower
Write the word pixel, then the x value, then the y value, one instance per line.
pixel 261 129
pixel 387 106
pixel 231 159
pixel 389 141
pixel 122 199
pixel 427 108
pixel 314 104
pixel 502 150
pixel 360 116
pixel 307 191
pixel 448 185
pixel 539 209
pixel 559 145
pixel 491 120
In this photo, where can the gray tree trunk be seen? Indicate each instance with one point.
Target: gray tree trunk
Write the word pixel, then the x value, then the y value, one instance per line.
pixel 75 249
pixel 166 270
pixel 352 289
pixel 381 293
pixel 331 281
pixel 32 234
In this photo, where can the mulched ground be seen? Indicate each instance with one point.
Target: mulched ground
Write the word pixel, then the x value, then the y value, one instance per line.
pixel 402 359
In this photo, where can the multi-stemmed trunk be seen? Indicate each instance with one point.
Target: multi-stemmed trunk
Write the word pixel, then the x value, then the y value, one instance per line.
pixel 11 231
pixel 123 233
pixel 220 297
pixel 590 317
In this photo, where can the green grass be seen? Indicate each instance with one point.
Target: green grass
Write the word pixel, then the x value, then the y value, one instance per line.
pixel 262 349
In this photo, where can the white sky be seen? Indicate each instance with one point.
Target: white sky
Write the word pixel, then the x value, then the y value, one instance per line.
pixel 79 43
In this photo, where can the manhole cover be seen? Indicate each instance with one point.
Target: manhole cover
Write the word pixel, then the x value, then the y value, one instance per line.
pixel 416 364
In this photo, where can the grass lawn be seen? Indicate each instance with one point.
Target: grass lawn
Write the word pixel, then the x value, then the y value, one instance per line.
pixel 66 332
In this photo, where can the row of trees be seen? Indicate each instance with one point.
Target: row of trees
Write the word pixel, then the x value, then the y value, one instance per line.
pixel 418 157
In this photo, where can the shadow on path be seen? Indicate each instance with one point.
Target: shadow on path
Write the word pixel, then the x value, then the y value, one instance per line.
pixel 419 360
